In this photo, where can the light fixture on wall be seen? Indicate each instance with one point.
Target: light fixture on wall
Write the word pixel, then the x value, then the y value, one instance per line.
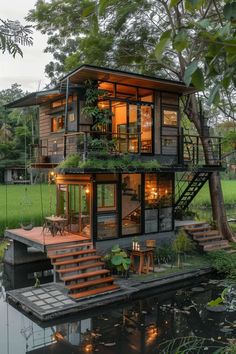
pixel 87 190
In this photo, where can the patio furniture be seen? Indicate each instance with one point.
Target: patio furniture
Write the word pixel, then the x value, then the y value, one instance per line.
pixel 145 260
pixel 55 224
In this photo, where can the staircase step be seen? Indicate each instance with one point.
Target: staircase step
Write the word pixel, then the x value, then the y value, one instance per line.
pixel 72 254
pixel 95 291
pixel 231 250
pixel 204 240
pixel 77 260
pixel 198 228
pixel 205 233
pixel 86 275
pixel 216 245
pixel 89 283
pixel 52 251
pixel 75 269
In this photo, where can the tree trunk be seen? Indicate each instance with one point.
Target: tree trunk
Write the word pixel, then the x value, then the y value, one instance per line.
pixel 217 200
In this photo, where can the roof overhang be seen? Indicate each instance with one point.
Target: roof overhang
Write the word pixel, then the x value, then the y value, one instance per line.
pixel 85 72
pixel 36 98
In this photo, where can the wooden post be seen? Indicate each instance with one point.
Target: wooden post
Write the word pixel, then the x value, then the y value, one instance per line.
pixel 66 114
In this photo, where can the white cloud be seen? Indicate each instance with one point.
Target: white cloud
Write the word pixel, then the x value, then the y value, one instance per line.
pixel 29 70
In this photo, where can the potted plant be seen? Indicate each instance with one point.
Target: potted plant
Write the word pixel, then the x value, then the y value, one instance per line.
pixel 117 260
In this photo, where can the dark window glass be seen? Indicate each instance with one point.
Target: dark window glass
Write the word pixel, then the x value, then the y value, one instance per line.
pixel 131 204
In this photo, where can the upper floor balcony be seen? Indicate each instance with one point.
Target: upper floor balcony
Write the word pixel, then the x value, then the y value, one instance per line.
pixel 178 151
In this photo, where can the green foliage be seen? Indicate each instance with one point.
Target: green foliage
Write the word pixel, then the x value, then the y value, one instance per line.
pixel 118 259
pixel 224 263
pixel 97 161
pixel 164 254
pixel 181 245
pixel 218 301
pixel 12 35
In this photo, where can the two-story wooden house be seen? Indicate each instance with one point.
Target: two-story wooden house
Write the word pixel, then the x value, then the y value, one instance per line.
pixel 101 198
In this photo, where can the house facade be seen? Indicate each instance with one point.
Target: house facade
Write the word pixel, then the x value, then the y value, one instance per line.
pixel 127 189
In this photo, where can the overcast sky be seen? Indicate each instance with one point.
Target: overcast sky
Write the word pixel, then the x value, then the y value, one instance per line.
pixel 29 70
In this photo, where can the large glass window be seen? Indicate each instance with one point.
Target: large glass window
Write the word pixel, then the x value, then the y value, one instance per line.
pixel 107 218
pixel 119 125
pixel 158 202
pixel 146 129
pixel 131 204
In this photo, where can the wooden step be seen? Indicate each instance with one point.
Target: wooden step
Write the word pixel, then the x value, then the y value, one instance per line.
pixel 93 292
pixel 206 233
pixel 86 284
pixel 216 245
pixel 72 254
pixel 86 275
pixel 196 229
pixel 77 260
pixel 231 250
pixel 77 245
pixel 75 269
pixel 203 240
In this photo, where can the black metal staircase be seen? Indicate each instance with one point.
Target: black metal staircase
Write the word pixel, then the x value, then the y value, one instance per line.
pixel 189 185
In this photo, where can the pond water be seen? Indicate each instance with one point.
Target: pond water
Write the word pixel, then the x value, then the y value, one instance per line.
pixel 138 327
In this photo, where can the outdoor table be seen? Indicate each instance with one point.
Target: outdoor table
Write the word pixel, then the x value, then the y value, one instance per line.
pixel 145 257
pixel 55 224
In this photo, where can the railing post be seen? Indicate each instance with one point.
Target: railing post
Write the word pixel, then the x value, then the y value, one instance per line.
pixel 193 158
pixel 85 152
pixel 220 150
pixel 197 152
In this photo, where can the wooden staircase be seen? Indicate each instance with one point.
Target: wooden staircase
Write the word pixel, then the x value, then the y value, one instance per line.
pixel 81 270
pixel 207 238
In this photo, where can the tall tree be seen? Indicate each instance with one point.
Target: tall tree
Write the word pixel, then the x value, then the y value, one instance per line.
pixel 13 35
pixel 190 40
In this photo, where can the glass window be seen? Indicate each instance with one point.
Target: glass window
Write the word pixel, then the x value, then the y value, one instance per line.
pixel 158 202
pixel 106 197
pixel 165 190
pixel 57 124
pixel 107 218
pixel 146 129
pixel 165 219
pixel 119 125
pixel 151 190
pixel 131 204
pixel 170 117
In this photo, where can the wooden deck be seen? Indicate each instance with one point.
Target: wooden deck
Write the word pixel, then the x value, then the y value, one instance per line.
pixel 40 240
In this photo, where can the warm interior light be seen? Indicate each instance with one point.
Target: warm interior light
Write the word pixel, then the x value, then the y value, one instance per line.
pixel 57 336
pixel 88 348
pixel 52 173
pixel 87 190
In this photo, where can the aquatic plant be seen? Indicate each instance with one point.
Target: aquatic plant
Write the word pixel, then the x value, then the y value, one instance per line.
pixel 118 259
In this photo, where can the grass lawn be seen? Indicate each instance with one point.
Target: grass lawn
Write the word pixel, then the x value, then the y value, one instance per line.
pixel 229 192
pixel 18 206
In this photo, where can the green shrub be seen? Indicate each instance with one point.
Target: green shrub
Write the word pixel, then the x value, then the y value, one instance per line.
pixel 181 245
pixel 118 260
pixel 224 263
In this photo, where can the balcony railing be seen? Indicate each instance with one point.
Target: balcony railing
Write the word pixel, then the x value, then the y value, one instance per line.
pixel 194 153
pixel 187 149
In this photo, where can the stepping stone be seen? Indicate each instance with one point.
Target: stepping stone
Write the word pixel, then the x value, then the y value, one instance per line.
pixel 29 293
pixel 37 292
pixel 46 307
pixel 33 298
pixel 44 296
pixel 39 303
pixel 50 300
